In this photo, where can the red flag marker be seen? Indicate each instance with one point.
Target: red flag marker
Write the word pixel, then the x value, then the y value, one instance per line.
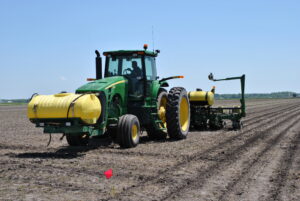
pixel 108 173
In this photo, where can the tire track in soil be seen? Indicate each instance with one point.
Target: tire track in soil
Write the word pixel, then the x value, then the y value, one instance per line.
pixel 56 169
pixel 258 110
pixel 283 170
pixel 24 147
pixel 238 181
pixel 230 156
pixel 251 109
pixel 255 119
pixel 72 152
pixel 58 185
pixel 290 191
pixel 253 104
pixel 54 182
pixel 200 155
pixel 266 104
pixel 272 112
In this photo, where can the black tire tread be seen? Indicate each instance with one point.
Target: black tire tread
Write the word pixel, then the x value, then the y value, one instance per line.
pixel 124 130
pixel 172 115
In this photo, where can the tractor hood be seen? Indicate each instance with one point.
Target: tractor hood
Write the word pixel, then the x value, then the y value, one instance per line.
pixel 102 84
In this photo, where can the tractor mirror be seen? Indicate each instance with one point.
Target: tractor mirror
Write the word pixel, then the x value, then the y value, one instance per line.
pixel 211 76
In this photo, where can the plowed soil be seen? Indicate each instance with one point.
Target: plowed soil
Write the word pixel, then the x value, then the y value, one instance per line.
pixel 259 162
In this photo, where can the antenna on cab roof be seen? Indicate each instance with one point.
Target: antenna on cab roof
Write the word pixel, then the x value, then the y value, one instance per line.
pixel 153 37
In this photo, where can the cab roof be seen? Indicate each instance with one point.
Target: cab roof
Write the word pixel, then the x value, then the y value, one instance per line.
pixel 126 52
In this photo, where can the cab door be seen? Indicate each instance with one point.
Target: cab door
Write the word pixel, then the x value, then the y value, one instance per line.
pixel 151 73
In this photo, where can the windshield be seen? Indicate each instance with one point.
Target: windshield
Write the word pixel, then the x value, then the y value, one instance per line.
pixel 124 65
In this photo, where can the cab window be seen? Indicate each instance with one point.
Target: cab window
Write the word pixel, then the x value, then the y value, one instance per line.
pixel 124 65
pixel 150 68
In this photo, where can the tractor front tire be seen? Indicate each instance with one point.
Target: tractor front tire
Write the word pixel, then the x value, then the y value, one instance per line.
pixel 77 139
pixel 128 132
pixel 178 113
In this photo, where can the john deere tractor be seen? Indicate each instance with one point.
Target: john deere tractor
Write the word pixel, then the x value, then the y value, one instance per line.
pixel 129 98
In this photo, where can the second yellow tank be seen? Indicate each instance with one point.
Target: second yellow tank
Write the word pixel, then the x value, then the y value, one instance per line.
pixel 202 97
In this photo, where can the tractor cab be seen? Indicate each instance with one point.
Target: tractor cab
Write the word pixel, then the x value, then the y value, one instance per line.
pixel 138 66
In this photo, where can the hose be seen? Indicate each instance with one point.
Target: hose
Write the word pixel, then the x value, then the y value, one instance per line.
pixel 33 95
pixel 50 138
pixel 62 137
pixel 72 103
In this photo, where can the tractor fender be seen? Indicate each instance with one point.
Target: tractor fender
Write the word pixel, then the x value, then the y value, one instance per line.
pixel 157 88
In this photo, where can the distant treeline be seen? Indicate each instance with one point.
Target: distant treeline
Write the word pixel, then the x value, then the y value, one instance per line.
pixel 14 100
pixel 284 94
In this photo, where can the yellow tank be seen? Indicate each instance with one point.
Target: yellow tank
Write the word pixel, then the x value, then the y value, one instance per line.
pixel 87 107
pixel 202 97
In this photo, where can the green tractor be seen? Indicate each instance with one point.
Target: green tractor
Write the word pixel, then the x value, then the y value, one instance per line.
pixel 128 99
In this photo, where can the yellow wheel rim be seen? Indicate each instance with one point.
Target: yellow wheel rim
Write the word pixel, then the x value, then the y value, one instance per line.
pixel 184 114
pixel 134 132
pixel 162 110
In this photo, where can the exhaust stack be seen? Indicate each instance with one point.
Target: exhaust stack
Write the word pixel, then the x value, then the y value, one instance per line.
pixel 98 65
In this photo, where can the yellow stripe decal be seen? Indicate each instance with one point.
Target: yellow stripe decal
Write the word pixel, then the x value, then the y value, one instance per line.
pixel 122 81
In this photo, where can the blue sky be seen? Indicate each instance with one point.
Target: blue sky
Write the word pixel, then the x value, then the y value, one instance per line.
pixel 48 46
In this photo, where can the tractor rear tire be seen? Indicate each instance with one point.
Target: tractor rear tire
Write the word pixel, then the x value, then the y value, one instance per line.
pixel 152 132
pixel 178 113
pixel 77 140
pixel 128 131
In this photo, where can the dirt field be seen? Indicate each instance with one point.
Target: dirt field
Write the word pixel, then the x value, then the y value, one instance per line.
pixel 260 162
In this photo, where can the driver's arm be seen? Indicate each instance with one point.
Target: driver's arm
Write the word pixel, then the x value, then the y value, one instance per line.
pixel 139 72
